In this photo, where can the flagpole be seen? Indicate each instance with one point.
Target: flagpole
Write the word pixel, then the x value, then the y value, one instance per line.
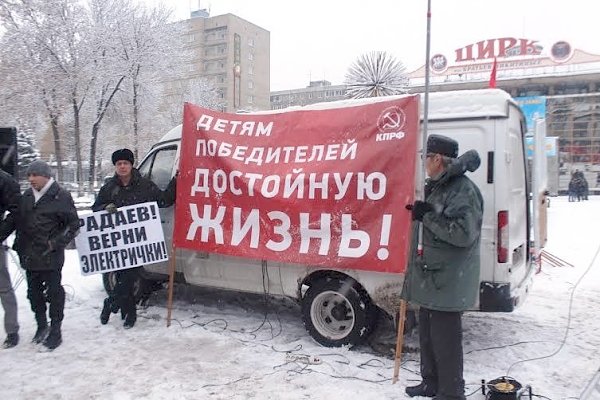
pixel 402 311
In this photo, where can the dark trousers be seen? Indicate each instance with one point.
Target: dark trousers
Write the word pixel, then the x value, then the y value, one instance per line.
pixel 440 337
pixel 123 296
pixel 37 282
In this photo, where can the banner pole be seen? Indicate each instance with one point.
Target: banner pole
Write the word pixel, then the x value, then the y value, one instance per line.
pixel 402 312
pixel 171 282
pixel 399 341
pixel 173 258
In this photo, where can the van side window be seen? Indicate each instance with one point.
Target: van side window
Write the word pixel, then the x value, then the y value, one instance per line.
pixel 158 167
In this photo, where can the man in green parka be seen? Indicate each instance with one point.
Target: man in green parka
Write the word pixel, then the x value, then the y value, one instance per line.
pixel 443 281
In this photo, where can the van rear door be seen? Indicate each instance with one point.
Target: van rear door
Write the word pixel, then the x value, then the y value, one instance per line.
pixel 478 134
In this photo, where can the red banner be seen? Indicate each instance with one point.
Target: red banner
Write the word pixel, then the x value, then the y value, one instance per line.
pixel 316 187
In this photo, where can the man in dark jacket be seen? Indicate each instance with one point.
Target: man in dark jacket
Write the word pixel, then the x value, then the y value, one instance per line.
pixel 125 188
pixel 45 223
pixel 10 195
pixel 443 281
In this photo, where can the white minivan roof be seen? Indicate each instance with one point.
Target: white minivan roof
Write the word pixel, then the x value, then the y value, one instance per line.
pixel 459 104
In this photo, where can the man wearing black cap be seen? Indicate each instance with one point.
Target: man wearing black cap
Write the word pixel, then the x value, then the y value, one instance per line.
pixel 45 222
pixel 443 281
pixel 125 188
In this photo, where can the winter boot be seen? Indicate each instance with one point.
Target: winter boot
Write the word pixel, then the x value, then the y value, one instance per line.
pixel 12 339
pixel 54 338
pixel 129 321
pixel 130 317
pixel 422 389
pixel 42 329
pixel 106 310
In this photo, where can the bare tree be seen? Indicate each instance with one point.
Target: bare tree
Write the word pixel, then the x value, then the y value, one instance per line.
pixel 376 74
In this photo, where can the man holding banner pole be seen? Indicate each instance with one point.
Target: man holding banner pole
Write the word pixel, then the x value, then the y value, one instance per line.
pixel 442 279
pixel 128 187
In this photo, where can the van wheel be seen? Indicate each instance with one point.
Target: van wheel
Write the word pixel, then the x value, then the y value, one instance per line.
pixel 337 313
pixel 142 288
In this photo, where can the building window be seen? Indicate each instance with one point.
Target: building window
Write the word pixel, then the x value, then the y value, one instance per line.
pixel 250 99
pixel 251 42
pixel 250 70
pixel 250 84
pixel 250 56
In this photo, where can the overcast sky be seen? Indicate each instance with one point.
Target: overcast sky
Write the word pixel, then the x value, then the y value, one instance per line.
pixel 319 39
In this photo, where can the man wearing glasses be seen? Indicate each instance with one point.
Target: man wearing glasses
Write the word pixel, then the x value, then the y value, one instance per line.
pixel 443 281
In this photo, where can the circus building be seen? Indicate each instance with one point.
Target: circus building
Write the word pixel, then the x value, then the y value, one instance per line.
pixel 554 81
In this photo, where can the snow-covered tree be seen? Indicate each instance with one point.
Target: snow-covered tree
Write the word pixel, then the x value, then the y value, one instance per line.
pixel 26 150
pixel 376 74
pixel 198 91
pixel 31 43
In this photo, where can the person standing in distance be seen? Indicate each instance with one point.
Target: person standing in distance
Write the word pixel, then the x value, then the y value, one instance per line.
pixel 46 221
pixel 127 187
pixel 10 195
pixel 444 281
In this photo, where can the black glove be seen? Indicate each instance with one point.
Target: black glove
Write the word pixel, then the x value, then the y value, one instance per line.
pixel 111 208
pixel 419 209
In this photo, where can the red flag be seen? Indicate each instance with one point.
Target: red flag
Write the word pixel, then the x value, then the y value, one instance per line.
pixel 493 74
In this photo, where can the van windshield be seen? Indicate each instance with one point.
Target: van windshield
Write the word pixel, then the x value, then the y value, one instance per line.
pixel 158 167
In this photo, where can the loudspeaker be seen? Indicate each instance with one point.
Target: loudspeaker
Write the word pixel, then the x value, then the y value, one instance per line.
pixel 8 150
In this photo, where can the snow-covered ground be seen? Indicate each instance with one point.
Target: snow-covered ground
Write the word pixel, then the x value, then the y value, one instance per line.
pixel 224 346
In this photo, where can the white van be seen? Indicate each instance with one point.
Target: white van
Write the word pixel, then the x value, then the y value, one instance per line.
pixel 339 305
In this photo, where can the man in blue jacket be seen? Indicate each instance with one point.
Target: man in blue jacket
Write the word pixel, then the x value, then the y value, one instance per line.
pixel 443 281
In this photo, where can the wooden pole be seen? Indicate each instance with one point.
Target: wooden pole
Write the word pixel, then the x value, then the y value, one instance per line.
pixel 173 259
pixel 172 263
pixel 399 341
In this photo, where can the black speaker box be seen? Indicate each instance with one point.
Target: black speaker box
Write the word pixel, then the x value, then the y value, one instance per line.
pixel 8 150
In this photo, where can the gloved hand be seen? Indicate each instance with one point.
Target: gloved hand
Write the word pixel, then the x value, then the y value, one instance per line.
pixel 111 208
pixel 419 209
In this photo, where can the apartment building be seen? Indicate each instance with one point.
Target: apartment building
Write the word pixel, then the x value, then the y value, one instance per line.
pixel 234 55
pixel 315 92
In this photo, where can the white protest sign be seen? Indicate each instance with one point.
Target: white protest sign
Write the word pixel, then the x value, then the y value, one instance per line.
pixel 128 238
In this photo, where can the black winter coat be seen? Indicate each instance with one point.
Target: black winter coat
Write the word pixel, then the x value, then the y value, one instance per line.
pixel 139 190
pixel 10 193
pixel 43 229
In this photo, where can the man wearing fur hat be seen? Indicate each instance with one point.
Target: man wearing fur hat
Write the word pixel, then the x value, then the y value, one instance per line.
pixel 125 188
pixel 45 222
pixel 443 281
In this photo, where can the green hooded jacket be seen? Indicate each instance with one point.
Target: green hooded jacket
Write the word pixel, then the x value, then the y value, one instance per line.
pixel 446 278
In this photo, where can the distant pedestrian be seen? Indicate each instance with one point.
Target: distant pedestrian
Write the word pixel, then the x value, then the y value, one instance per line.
pixel 10 195
pixel 46 221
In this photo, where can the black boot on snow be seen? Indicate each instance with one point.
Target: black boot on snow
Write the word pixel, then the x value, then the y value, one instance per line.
pixel 12 339
pixel 54 338
pixel 106 310
pixel 40 333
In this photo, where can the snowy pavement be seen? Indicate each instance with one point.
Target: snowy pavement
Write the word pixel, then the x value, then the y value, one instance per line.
pixel 224 346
